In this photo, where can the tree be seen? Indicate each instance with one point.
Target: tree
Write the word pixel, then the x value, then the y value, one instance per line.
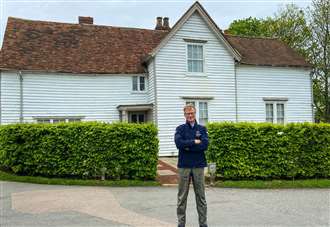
pixel 249 27
pixel 290 25
pixel 319 56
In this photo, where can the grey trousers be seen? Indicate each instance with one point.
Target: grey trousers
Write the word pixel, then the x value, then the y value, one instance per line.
pixel 197 176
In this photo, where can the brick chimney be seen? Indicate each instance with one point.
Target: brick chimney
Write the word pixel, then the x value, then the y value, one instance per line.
pixel 85 20
pixel 166 24
pixel 159 23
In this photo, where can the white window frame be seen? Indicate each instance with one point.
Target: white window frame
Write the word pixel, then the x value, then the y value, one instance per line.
pixel 274 103
pixel 138 84
pixel 196 102
pixel 187 65
pixel 51 119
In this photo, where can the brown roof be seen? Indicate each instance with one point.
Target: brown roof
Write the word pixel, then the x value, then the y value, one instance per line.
pixel 77 48
pixel 266 52
pixel 82 48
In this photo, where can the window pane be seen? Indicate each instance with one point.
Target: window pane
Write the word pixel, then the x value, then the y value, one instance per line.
pixel 280 113
pixel 194 66
pixel 189 51
pixel 74 120
pixel 200 52
pixel 195 55
pixel 135 83
pixel 58 120
pixel 203 113
pixel 142 84
pixel 190 66
pixel 43 120
pixel 199 66
pixel 269 112
pixel 134 118
pixel 141 118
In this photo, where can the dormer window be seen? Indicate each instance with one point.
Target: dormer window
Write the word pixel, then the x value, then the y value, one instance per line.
pixel 195 57
pixel 138 83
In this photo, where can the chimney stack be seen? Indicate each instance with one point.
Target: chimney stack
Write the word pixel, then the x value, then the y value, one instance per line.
pixel 159 23
pixel 85 20
pixel 166 24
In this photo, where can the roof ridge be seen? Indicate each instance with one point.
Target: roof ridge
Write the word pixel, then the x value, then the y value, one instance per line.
pixel 252 37
pixel 94 25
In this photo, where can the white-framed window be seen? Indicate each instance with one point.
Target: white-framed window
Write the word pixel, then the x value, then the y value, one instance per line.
pixel 201 110
pixel 53 120
pixel 195 58
pixel 139 83
pixel 275 112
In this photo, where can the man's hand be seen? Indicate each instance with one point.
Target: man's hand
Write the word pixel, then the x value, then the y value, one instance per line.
pixel 197 141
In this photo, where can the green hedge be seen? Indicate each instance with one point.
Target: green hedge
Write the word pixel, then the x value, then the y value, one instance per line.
pixel 269 151
pixel 80 150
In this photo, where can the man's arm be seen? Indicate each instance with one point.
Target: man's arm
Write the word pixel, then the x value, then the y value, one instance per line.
pixel 204 139
pixel 180 142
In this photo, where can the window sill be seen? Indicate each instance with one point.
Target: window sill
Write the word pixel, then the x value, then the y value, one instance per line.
pixel 138 92
pixel 191 74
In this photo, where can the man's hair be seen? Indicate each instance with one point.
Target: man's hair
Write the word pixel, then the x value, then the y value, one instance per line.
pixel 189 106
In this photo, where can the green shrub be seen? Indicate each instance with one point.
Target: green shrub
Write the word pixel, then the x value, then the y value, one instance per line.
pixel 265 151
pixel 80 150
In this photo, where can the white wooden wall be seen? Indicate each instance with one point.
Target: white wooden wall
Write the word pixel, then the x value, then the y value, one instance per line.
pixel 95 97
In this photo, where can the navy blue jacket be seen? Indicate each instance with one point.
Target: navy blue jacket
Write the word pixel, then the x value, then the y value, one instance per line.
pixel 191 155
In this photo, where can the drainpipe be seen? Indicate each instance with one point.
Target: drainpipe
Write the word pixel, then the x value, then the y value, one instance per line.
pixel 21 96
pixel 236 104
pixel 312 96
pixel 0 98
pixel 155 92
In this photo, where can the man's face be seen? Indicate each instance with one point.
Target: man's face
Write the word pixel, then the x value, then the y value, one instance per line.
pixel 190 115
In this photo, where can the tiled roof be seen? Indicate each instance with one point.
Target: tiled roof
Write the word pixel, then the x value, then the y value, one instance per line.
pixel 86 48
pixel 266 52
pixel 77 48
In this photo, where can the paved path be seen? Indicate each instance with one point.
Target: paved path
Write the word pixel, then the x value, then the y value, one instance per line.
pixel 23 204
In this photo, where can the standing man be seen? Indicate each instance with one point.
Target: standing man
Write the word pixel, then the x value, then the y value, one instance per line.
pixel 192 141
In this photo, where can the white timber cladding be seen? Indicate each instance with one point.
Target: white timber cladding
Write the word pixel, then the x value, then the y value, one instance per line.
pixel 151 88
pixel 94 97
pixel 217 82
pixel 255 83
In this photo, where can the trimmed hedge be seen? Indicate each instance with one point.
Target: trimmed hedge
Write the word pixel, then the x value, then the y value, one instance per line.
pixel 80 150
pixel 269 151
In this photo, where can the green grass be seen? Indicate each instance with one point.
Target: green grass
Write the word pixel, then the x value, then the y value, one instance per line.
pixel 5 176
pixel 274 184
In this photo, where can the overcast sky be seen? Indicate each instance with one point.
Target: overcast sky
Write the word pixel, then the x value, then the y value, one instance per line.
pixel 135 13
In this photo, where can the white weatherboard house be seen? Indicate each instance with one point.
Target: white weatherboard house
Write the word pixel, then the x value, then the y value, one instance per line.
pixel 53 72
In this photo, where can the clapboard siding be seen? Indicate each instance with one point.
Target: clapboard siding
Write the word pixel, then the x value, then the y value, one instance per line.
pixel 95 97
pixel 254 83
pixel 151 89
pixel 173 81
pixel 10 98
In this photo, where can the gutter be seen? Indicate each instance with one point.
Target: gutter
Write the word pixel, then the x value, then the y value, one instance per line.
pixel 21 96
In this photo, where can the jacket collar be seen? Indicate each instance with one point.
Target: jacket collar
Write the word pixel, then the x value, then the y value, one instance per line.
pixel 189 125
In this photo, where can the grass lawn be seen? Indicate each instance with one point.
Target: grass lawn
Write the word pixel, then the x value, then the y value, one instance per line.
pixel 5 176
pixel 274 184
